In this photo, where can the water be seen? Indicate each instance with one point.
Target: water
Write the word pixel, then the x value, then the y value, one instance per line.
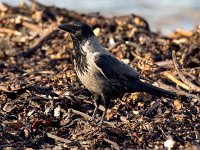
pixel 165 15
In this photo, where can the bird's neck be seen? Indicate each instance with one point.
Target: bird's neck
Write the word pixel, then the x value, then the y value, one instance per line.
pixel 82 48
pixel 92 45
pixel 79 57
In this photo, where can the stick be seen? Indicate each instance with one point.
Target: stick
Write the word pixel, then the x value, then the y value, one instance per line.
pixel 153 107
pixel 40 41
pixel 179 92
pixel 181 75
pixel 87 117
pixel 182 32
pixel 175 80
pixel 55 137
pixel 10 31
pixel 68 142
pixel 37 3
pixel 32 27
pixel 165 64
pixel 114 144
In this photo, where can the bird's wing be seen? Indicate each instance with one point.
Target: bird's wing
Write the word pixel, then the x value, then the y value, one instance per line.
pixel 111 67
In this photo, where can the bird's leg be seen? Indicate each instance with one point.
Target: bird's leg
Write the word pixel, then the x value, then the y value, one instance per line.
pixel 96 103
pixel 106 105
pixel 103 117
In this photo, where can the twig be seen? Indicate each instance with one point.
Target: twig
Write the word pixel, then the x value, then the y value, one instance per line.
pixel 179 92
pixel 165 64
pixel 9 31
pixel 114 144
pixel 181 75
pixel 32 27
pixel 87 117
pixel 68 142
pixel 37 3
pixel 175 80
pixel 182 32
pixel 153 107
pixel 40 41
pixel 193 77
pixel 55 137
pixel 4 88
pixel 15 16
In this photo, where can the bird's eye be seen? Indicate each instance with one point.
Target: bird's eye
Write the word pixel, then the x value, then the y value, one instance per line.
pixel 76 27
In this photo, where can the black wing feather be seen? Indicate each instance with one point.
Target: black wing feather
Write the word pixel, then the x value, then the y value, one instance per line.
pixel 112 67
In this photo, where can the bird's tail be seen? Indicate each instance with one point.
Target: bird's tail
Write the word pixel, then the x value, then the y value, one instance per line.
pixel 146 87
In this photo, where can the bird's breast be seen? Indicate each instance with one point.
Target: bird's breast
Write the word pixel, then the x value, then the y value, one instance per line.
pixel 90 76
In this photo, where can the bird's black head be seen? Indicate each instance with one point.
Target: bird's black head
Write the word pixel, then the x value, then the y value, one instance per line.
pixel 78 31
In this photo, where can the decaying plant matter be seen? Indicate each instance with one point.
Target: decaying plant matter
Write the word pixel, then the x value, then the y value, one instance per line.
pixel 43 105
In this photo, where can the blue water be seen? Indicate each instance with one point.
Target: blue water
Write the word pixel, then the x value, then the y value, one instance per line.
pixel 163 15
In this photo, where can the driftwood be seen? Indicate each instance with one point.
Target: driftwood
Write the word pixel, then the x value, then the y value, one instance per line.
pixel 181 75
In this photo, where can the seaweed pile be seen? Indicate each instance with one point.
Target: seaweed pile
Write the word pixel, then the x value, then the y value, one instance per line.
pixel 43 105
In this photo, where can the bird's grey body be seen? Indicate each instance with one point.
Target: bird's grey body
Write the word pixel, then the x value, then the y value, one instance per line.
pixel 98 76
pixel 98 80
pixel 101 72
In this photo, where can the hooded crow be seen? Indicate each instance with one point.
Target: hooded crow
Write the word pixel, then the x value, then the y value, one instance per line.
pixel 101 72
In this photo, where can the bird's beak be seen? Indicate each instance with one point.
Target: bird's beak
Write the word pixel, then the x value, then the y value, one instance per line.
pixel 67 27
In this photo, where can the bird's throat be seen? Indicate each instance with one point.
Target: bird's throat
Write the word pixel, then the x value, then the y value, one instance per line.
pixel 79 56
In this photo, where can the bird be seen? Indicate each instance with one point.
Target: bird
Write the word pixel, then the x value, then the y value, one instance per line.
pixel 101 72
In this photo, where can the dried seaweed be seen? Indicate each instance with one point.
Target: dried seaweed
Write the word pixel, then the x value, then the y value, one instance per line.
pixel 43 104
